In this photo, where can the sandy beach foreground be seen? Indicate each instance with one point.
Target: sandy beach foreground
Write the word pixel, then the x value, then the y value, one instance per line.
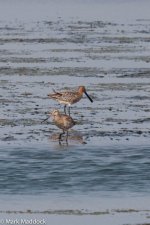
pixel 58 218
pixel 75 210
pixel 127 218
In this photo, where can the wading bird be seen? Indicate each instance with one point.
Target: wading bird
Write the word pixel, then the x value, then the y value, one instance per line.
pixel 69 97
pixel 62 121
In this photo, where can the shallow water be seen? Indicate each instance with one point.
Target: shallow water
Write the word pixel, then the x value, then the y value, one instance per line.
pixel 75 170
pixel 104 166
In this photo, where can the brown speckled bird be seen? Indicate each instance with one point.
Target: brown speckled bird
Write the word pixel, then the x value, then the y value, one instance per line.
pixel 62 121
pixel 69 97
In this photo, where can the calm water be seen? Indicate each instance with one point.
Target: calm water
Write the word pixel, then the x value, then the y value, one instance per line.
pixel 106 48
pixel 75 170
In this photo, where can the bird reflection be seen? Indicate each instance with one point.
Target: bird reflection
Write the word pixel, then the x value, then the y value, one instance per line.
pixel 70 136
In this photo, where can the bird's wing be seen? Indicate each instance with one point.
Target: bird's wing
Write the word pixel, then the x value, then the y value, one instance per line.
pixel 55 94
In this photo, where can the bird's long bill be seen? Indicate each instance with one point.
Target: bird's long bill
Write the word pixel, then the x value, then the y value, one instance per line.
pixel 44 120
pixel 88 96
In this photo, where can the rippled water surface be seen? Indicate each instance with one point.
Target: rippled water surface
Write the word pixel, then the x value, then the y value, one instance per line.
pixel 107 152
pixel 74 170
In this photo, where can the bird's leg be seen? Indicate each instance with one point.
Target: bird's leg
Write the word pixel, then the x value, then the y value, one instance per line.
pixel 60 135
pixel 65 109
pixel 59 141
pixel 67 138
pixel 69 110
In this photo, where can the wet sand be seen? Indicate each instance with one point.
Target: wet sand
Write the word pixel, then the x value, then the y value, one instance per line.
pixel 110 59
pixel 114 210
pixel 106 48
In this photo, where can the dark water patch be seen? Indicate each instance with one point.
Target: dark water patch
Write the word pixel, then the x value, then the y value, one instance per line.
pixel 7 28
pixel 23 60
pixel 7 122
pixel 123 132
pixel 74 39
pixel 145 120
pixel 122 40
pixel 142 31
pixel 89 25
pixel 58 212
pixel 37 60
pixel 76 170
pixel 76 212
pixel 135 58
pixel 8 138
pixel 26 94
pixel 18 122
pixel 140 97
pixel 32 40
pixel 85 71
pixel 116 120
pixel 7 101
pixel 97 50
pixel 137 73
pixel 122 86
pixel 20 71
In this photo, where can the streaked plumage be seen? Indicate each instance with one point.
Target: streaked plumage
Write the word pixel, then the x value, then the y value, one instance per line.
pixel 62 121
pixel 69 97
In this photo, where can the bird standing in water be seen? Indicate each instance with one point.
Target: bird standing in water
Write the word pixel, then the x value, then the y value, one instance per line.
pixel 62 121
pixel 69 97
